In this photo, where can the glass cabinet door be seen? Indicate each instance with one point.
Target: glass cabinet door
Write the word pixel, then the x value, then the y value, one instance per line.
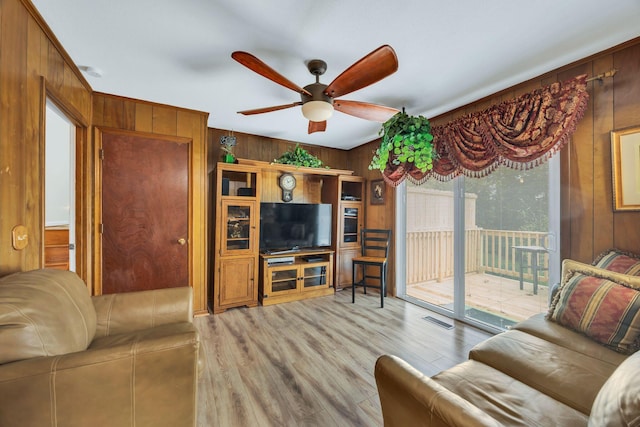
pixel 240 234
pixel 284 280
pixel 350 224
pixel 315 277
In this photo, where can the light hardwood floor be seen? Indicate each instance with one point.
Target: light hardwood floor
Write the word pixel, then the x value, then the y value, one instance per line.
pixel 310 363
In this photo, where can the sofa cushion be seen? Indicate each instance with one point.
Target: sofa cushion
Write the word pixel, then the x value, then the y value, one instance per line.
pixel 618 402
pixel 570 267
pixel 44 313
pixel 602 309
pixel 537 325
pixel 619 261
pixel 565 375
pixel 504 398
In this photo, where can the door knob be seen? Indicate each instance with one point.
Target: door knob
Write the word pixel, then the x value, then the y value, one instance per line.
pixel 182 241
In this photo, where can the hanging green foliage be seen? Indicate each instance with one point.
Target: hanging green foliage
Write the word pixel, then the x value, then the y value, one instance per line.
pixel 406 139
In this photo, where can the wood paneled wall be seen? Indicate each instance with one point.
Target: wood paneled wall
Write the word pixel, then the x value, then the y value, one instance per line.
pixel 147 118
pixel 589 224
pixel 31 62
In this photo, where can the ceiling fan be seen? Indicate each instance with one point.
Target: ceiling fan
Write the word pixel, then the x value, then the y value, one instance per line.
pixel 318 100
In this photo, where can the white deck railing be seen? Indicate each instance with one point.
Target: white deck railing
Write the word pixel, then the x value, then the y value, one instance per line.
pixel 430 254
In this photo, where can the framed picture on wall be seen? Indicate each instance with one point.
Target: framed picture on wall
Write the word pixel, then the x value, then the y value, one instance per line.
pixel 377 192
pixel 625 157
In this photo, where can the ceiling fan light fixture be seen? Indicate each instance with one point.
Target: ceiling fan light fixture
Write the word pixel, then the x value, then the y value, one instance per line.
pixel 317 111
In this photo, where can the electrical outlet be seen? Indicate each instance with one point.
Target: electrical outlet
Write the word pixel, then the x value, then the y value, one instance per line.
pixel 20 237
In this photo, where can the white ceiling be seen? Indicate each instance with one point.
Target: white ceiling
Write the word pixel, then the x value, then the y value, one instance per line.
pixel 449 52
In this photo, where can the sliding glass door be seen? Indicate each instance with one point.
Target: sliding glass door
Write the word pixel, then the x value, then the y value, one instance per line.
pixel 429 243
pixel 481 249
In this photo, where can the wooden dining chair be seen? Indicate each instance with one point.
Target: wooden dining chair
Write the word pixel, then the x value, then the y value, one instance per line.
pixel 374 255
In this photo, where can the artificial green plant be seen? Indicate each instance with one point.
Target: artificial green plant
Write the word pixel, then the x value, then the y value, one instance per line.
pixel 298 156
pixel 405 139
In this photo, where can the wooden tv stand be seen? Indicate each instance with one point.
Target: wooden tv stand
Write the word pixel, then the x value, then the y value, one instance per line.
pixel 295 276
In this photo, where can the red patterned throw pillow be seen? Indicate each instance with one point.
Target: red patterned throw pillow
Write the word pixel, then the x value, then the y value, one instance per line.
pixel 619 261
pixel 605 311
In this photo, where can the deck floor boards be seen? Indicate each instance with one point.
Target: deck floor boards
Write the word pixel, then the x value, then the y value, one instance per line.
pixel 489 293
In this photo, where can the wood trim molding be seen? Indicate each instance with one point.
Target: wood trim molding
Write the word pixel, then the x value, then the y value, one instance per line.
pixel 153 104
pixel 54 40
pixel 141 134
pixel 70 111
pixel 83 183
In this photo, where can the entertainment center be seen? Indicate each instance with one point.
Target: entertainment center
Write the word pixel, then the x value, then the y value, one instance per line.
pixel 281 233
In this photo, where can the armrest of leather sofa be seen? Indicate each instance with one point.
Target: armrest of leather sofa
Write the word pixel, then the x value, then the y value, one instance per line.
pixel 409 398
pixel 142 378
pixel 134 311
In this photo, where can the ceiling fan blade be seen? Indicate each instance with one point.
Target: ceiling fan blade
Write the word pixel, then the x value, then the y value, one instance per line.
pixel 269 109
pixel 364 110
pixel 372 68
pixel 256 65
pixel 317 126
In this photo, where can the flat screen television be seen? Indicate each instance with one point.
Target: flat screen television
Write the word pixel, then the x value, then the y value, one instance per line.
pixel 287 226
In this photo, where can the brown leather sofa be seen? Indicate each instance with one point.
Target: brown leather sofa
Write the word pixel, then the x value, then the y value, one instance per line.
pixel 539 373
pixel 69 359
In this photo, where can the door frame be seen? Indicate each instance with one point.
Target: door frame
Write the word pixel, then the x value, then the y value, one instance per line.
pixel 83 176
pixel 193 240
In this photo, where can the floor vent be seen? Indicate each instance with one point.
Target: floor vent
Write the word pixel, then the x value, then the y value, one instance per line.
pixel 438 322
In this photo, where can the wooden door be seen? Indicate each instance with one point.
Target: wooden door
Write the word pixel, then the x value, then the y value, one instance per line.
pixel 145 196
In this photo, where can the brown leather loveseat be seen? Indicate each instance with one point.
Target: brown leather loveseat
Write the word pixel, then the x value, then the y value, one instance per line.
pixel 578 366
pixel 69 359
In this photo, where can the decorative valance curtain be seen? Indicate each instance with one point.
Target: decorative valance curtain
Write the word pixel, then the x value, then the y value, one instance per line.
pixel 519 133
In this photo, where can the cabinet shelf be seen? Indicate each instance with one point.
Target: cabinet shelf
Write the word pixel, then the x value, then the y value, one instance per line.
pixel 321 276
pixel 293 168
pixel 280 287
pixel 280 276
pixel 281 281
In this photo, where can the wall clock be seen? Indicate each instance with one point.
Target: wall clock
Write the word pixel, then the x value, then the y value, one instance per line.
pixel 287 184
